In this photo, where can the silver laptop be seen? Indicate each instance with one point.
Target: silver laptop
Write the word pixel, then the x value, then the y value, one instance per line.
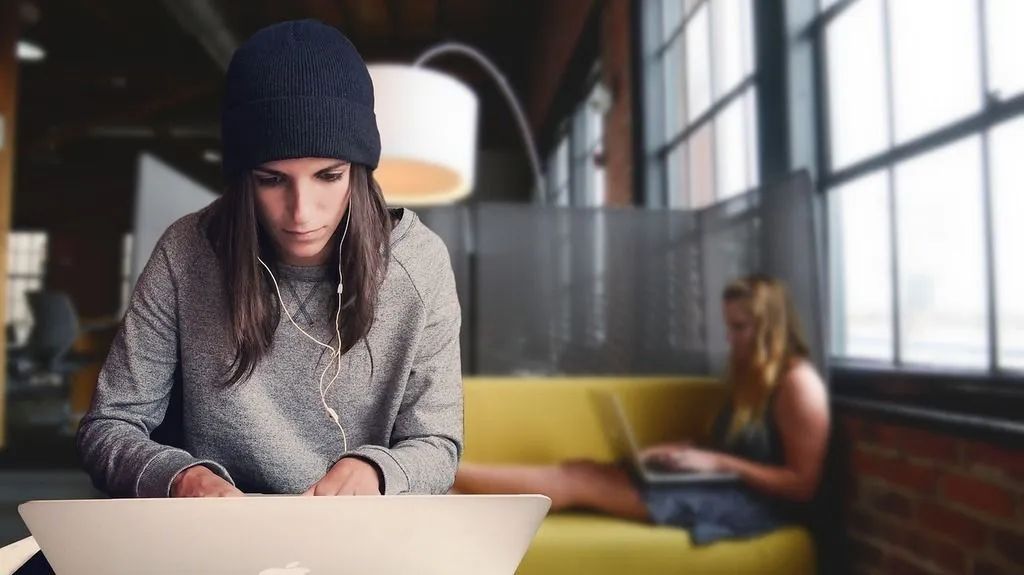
pixel 288 535
pixel 623 441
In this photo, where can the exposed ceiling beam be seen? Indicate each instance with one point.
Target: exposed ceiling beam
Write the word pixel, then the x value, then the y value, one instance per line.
pixel 144 110
pixel 393 10
pixel 442 19
pixel 417 18
pixel 150 131
pixel 370 19
pixel 203 20
pixel 327 10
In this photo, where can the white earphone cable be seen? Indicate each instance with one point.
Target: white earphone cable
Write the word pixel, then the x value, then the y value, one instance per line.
pixel 335 352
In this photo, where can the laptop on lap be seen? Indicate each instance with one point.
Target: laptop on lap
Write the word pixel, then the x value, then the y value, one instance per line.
pixel 288 535
pixel 625 446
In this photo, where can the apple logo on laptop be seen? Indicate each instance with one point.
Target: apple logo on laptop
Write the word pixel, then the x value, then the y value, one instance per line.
pixel 292 568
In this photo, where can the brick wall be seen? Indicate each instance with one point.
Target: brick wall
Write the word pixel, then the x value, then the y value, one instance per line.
pixel 9 23
pixel 561 25
pixel 618 127
pixel 558 32
pixel 927 503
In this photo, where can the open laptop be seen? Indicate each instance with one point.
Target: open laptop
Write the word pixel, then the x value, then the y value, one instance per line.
pixel 288 534
pixel 620 436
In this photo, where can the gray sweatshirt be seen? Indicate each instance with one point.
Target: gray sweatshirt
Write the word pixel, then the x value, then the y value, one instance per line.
pixel 398 395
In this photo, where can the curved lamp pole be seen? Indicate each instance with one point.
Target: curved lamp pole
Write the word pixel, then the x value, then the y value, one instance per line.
pixel 506 90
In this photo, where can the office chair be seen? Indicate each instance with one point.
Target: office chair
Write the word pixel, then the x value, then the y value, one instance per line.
pixel 47 352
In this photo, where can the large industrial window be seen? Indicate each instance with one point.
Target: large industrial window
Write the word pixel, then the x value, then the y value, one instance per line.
pixel 575 169
pixel 700 99
pixel 924 127
pixel 26 272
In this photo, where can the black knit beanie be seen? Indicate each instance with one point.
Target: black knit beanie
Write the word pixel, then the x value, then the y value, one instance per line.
pixel 293 90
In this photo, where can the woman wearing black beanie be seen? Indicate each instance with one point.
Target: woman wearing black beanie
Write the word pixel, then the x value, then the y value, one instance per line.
pixel 313 333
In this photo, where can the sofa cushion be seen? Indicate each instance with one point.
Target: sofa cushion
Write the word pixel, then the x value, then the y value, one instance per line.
pixel 538 420
pixel 599 545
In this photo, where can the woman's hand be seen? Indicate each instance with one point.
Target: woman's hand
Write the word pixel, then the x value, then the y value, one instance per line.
pixel 663 450
pixel 199 481
pixel 349 476
pixel 693 459
pixel 683 457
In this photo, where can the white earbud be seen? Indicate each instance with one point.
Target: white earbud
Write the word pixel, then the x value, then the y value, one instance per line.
pixel 335 352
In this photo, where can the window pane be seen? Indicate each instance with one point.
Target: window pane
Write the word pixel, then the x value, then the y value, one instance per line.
pixel 698 63
pixel 562 162
pixel 1007 178
pixel 651 24
pixel 671 18
pixel 14 259
pixel 1005 41
pixel 861 268
pixel 21 263
pixel 126 255
pixel 653 104
pixel 597 191
pixel 675 91
pixel 558 174
pixel 940 234
pixel 675 172
pixel 858 109
pixel 595 120
pixel 935 68
pixel 12 299
pixel 733 38
pixel 702 168
pixel 21 314
pixel 753 154
pixel 39 261
pixel 731 149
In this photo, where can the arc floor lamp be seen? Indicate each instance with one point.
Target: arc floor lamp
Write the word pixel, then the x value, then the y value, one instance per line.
pixel 428 124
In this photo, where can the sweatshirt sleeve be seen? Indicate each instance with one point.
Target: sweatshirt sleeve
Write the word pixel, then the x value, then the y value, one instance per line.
pixel 133 392
pixel 427 441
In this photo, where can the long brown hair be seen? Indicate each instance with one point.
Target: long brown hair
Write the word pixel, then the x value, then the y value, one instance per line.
pixel 238 239
pixel 778 341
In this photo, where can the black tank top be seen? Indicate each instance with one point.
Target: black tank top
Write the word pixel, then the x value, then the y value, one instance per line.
pixel 759 440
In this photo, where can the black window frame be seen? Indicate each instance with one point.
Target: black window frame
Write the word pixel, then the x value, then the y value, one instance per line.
pixel 987 404
pixel 567 130
pixel 792 109
pixel 651 161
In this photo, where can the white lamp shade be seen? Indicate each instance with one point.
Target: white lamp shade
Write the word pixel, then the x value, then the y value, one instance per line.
pixel 428 131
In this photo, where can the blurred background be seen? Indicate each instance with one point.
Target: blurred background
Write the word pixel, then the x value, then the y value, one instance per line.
pixel 867 151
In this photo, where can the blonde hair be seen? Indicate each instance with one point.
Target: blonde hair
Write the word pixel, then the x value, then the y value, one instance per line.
pixel 778 340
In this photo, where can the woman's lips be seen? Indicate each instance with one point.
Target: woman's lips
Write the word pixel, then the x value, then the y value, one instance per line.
pixel 302 235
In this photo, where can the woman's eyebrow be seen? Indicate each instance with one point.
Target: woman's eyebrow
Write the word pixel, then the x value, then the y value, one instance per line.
pixel 269 171
pixel 334 166
pixel 272 172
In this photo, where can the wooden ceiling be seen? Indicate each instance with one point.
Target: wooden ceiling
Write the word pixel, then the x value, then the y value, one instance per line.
pixel 121 76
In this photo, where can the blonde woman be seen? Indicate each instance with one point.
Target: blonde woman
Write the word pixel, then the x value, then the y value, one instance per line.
pixel 773 434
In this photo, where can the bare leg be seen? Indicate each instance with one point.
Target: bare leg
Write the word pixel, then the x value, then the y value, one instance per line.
pixel 575 484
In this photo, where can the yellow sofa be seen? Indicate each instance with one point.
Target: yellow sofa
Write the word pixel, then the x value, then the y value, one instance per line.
pixel 547 420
